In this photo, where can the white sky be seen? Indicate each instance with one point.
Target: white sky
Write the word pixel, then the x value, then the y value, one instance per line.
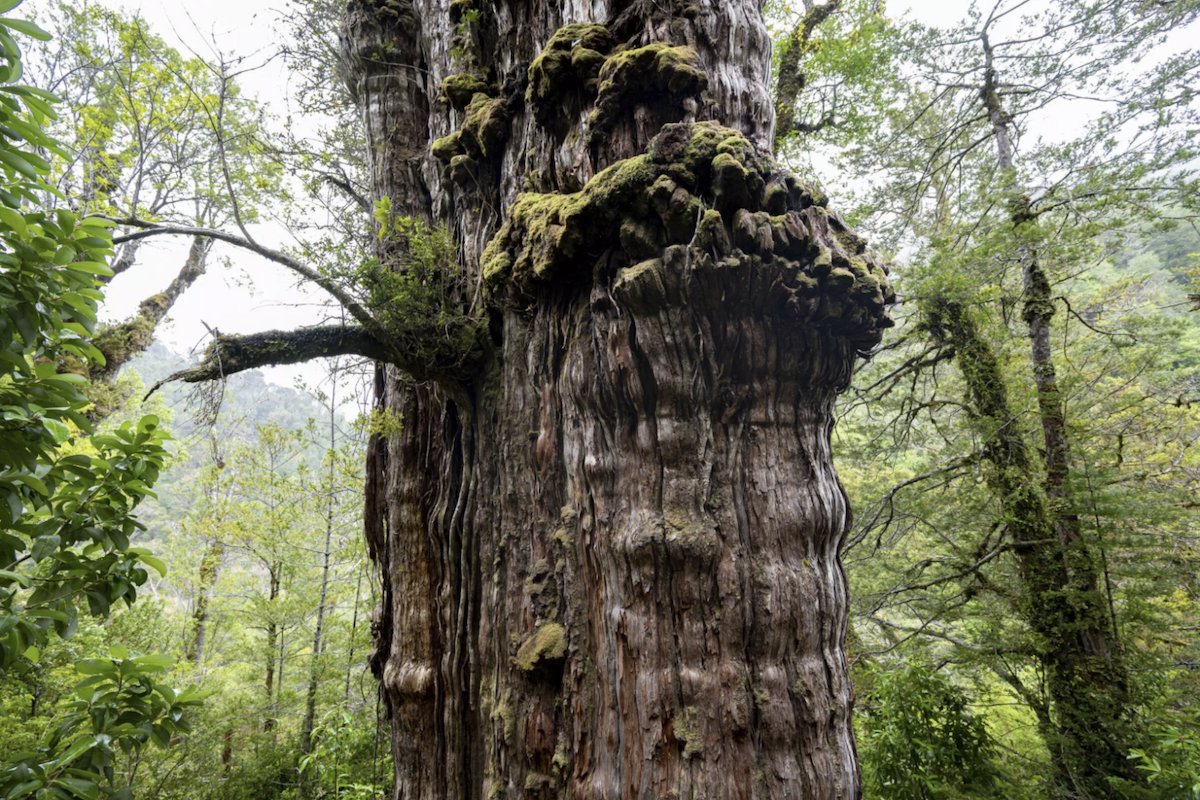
pixel 221 299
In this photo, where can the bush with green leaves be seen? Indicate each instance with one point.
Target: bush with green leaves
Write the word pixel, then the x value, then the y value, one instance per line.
pixel 67 492
pixel 920 740
pixel 97 746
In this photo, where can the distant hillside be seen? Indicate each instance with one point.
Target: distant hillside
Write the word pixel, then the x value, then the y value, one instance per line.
pixel 249 402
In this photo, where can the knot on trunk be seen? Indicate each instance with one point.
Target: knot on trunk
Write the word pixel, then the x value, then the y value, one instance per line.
pixel 481 137
pixel 702 217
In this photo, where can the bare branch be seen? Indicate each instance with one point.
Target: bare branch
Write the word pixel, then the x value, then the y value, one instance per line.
pixel 352 306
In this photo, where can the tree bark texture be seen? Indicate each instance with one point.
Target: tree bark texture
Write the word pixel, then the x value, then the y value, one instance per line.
pixel 610 558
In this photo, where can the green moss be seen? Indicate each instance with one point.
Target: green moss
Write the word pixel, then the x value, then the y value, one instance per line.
pixel 536 583
pixel 704 189
pixel 120 342
pixel 658 74
pixel 463 169
pixel 548 643
pixel 569 65
pixel 447 147
pixel 537 782
pixel 561 760
pixel 544 233
pixel 486 123
pixel 481 137
pixel 503 713
pixel 460 89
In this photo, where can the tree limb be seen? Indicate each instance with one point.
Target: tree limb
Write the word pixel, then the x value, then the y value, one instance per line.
pixel 228 355
pixel 792 78
pixel 352 306
pixel 349 191
pixel 121 342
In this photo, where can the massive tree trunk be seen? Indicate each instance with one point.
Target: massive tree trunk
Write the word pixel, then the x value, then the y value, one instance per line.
pixel 610 559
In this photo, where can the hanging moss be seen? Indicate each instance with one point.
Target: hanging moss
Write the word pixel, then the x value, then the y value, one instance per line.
pixel 547 644
pixel 567 68
pixel 659 74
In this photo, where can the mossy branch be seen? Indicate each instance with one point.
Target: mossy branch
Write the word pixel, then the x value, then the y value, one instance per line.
pixel 122 341
pixel 792 77
pixel 228 355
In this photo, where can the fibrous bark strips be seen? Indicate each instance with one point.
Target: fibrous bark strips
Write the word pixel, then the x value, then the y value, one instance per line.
pixel 610 557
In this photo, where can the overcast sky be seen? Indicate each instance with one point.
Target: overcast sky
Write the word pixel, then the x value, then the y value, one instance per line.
pixel 223 299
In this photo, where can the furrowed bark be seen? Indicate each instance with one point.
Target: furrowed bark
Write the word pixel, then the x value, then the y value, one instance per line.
pixel 610 555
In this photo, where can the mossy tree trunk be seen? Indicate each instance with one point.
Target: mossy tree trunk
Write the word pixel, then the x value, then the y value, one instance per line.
pixel 610 558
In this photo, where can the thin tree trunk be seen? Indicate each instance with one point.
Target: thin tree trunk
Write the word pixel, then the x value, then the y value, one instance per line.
pixel 273 646
pixel 210 565
pixel 227 751
pixel 310 703
pixel 210 562
pixel 1086 685
pixel 353 634
pixel 1086 673
pixel 610 562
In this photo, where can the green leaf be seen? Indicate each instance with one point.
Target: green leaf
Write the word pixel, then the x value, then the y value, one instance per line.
pixel 11 159
pixel 26 27
pixel 14 220
pixel 156 563
pixel 81 788
pixel 96 666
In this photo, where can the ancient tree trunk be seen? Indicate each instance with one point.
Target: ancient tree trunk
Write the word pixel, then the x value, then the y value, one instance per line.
pixel 611 558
